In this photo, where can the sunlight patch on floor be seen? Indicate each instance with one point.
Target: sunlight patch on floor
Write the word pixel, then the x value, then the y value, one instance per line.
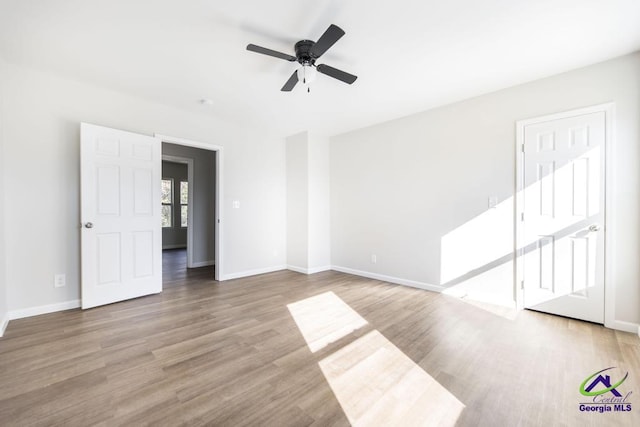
pixel 377 384
pixel 324 319
pixel 509 313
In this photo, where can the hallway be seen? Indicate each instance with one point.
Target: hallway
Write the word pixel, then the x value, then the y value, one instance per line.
pixel 175 271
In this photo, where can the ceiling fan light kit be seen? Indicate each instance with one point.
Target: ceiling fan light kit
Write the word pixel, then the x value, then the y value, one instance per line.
pixel 306 74
pixel 307 52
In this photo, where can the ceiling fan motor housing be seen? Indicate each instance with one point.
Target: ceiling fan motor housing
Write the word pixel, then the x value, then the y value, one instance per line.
pixel 303 52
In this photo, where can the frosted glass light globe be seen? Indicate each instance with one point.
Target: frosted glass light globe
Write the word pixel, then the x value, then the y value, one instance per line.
pixel 307 74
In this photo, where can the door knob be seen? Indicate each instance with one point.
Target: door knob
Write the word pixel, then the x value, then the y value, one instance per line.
pixel 89 225
pixel 594 228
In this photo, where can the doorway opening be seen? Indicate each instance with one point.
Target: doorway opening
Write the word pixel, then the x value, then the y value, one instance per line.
pixel 192 231
pixel 176 202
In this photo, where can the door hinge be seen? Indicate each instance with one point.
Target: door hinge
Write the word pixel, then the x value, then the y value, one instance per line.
pixel 522 147
pixel 522 284
pixel 521 216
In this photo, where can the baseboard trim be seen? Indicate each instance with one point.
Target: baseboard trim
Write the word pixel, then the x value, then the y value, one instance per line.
pixel 297 269
pixel 621 325
pixel 314 270
pixel 4 324
pixel 43 309
pixel 202 264
pixel 390 279
pixel 254 272
pixel 183 246
pixel 311 270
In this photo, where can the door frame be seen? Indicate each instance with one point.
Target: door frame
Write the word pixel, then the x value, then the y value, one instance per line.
pixel 189 162
pixel 609 285
pixel 218 256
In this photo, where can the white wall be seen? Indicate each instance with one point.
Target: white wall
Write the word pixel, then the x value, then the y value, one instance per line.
pixel 297 202
pixel 319 202
pixel 308 231
pixel 3 283
pixel 41 170
pixel 400 189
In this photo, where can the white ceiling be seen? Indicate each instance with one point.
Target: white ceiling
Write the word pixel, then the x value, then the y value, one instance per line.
pixel 410 55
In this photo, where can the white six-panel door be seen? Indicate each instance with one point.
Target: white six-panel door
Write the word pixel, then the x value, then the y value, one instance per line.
pixel 120 214
pixel 564 216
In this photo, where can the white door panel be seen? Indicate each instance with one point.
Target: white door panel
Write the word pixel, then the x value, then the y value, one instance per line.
pixel 563 227
pixel 120 214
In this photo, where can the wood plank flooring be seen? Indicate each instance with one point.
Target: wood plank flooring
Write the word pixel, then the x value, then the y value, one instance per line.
pixel 232 354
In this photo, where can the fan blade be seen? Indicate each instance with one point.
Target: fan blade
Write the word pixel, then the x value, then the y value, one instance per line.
pixel 336 74
pixel 326 40
pixel 265 51
pixel 291 83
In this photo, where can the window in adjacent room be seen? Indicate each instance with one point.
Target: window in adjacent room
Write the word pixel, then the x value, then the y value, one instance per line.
pixel 184 203
pixel 167 203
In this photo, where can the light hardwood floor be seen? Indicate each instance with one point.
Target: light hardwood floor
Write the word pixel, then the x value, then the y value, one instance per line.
pixel 236 353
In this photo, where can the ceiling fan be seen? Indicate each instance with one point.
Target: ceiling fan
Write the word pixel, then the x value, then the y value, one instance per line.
pixel 307 52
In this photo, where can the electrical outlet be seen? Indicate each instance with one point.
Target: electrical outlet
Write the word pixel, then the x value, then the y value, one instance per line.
pixel 374 259
pixel 59 280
